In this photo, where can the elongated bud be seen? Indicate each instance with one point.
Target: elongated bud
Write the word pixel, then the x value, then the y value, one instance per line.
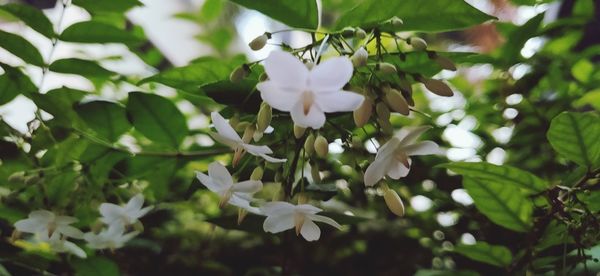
pixel 314 173
pixel 360 57
pixel 348 31
pixel 444 62
pixel 257 173
pixel 393 201
pixel 417 43
pixel 234 121
pixel 32 179
pixel 363 113
pixel 259 42
pixel 298 131
pixel 240 73
pixel 257 136
pixel 241 215
pixel 396 22
pixel 360 33
pixel 383 112
pixel 404 85
pixel 396 101
pixel 309 144
pixel 17 177
pixel 138 226
pixel 264 117
pixel 386 126
pixel 263 77
pixel 386 68
pixel 241 126
pixel 248 133
pixel 321 146
pixel 302 198
pixel 438 87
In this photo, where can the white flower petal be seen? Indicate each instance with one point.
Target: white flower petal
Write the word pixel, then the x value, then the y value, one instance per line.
pixel 44 215
pixel 140 213
pixel 307 209
pixel 244 203
pixel 422 148
pixel 277 208
pixel 388 148
pixel 74 249
pixel 286 70
pixel 397 170
pixel 248 186
pixel 276 224
pixel 310 231
pixel 208 182
pixel 325 219
pixel 64 220
pixel 339 101
pixel 223 127
pixel 376 171
pixel 314 119
pixel 135 203
pixel 224 140
pixel 257 150
pixel 110 212
pixel 70 231
pixel 220 175
pixel 277 97
pixel 409 135
pixel 30 226
pixel 331 75
pixel 273 159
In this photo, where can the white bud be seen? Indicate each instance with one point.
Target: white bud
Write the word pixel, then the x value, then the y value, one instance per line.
pixel 417 43
pixel 360 57
pixel 259 42
pixel 360 33
pixel 387 68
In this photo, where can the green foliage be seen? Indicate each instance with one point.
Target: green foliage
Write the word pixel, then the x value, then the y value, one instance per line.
pixel 107 119
pixel 294 13
pixel 490 254
pixel 31 16
pixel 98 32
pixel 21 48
pixel 117 6
pixel 86 68
pixel 575 136
pixel 96 266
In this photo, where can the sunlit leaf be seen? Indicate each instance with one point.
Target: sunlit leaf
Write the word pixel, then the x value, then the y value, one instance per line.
pixel 33 17
pixel 496 255
pixel 118 6
pixel 86 68
pixel 294 13
pixel 21 48
pixel 97 32
pixel 575 136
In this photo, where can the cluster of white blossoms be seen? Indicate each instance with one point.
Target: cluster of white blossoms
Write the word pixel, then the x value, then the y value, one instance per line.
pixel 54 230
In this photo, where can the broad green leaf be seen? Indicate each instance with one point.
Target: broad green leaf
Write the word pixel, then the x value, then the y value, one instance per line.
pixel 33 17
pixel 294 13
pixel 8 91
pixel 591 200
pixel 86 68
pixel 503 204
pixel 591 98
pixel 157 170
pixel 117 6
pixel 496 255
pixel 575 136
pixel 95 266
pixel 582 70
pixel 511 51
pixel 65 151
pixel 423 15
pixel 502 174
pixel 60 186
pixel 157 118
pixel 60 102
pixel 97 32
pixel 14 82
pixel 107 119
pixel 21 48
pixel 99 161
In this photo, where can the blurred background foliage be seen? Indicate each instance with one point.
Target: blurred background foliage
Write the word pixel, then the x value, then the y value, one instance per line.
pixel 531 207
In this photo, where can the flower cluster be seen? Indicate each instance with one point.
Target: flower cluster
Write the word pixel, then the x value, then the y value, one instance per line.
pixel 54 230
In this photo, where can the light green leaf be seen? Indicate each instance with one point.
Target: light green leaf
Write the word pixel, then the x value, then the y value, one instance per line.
pixel 575 136
pixel 157 118
pixel 95 266
pixel 33 17
pixel 591 98
pixel 97 32
pixel 117 6
pixel 495 255
pixel 503 174
pixel 422 15
pixel 582 70
pixel 21 48
pixel 511 51
pixel 86 68
pixel 107 119
pixel 294 13
pixel 503 204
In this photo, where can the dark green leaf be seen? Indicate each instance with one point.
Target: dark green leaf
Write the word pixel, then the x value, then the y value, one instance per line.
pixel 575 136
pixel 294 13
pixel 13 82
pixel 33 17
pixel 117 6
pixel 423 15
pixel 95 266
pixel 100 161
pixel 60 102
pixel 157 118
pixel 502 174
pixel 97 32
pixel 86 68
pixel 420 63
pixel 21 48
pixel 431 272
pixel 60 186
pixel 591 200
pixel 503 204
pixel 496 255
pixel 517 37
pixel 107 119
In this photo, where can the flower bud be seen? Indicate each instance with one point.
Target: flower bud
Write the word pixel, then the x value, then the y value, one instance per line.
pixel 360 57
pixel 396 22
pixel 259 42
pixel 386 126
pixel 241 126
pixel 248 133
pixel 360 33
pixel 321 146
pixel 309 144
pixel 394 99
pixel 17 177
pixel 417 43
pixel 363 113
pixel 356 142
pixel 302 198
pixel 32 179
pixel 314 172
pixel 387 68
pixel 383 112
pixel 264 117
pixel 240 73
pixel 405 85
pixel 438 87
pixel 257 136
pixel 263 77
pixel 348 31
pixel 298 131
pixel 233 121
pixel 257 173
pixel 444 62
pixel 309 65
pixel 393 201
pixel 241 215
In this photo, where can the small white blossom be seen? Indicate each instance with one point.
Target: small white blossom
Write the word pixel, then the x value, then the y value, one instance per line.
pixel 126 215
pixel 112 238
pixel 219 181
pixel 282 216
pixel 47 224
pixel 393 158
pixel 60 245
pixel 226 135
pixel 308 94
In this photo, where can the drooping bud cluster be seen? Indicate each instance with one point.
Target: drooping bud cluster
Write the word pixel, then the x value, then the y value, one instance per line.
pixel 260 41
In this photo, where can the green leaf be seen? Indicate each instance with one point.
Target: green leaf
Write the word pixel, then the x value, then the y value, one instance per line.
pixel 591 98
pixel 294 13
pixel 107 119
pixel 116 6
pixel 503 174
pixel 97 32
pixel 496 255
pixel 575 136
pixel 157 118
pixel 432 272
pixel 420 63
pixel 422 15
pixel 60 102
pixel 86 68
pixel 582 70
pixel 95 266
pixel 511 51
pixel 503 204
pixel 14 82
pixel 33 17
pixel 21 48
pixel 60 186
pixel 100 160
pixel 591 200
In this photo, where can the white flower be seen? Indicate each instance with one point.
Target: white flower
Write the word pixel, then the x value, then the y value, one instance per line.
pixel 282 216
pixel 239 194
pixel 114 237
pixel 126 215
pixel 227 135
pixel 393 158
pixel 60 245
pixel 308 94
pixel 47 224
